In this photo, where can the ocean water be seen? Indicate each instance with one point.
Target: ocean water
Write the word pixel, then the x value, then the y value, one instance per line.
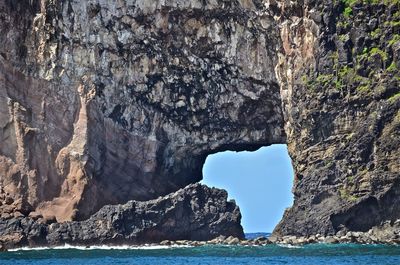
pixel 220 255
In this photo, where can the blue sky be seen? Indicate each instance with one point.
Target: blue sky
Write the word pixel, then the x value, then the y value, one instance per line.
pixel 260 182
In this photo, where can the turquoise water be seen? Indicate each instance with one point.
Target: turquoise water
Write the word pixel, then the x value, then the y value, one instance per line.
pixel 221 255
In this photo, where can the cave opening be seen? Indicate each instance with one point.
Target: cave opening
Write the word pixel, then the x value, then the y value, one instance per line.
pixel 260 182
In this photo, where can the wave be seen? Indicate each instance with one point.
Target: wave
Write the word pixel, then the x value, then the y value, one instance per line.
pixel 100 247
pixel 289 246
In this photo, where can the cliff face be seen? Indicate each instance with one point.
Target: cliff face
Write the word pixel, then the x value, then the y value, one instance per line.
pixel 104 102
pixel 339 74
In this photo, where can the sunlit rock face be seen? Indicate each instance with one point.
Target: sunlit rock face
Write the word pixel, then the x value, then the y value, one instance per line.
pixel 102 102
pixel 107 101
pixel 340 81
pixel 195 212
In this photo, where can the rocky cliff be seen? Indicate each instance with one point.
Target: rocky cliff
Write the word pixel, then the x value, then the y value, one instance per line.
pixel 193 213
pixel 339 76
pixel 104 102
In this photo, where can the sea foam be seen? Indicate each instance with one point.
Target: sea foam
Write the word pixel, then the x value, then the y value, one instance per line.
pixel 100 247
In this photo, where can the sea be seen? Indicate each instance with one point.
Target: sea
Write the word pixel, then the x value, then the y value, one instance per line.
pixel 325 254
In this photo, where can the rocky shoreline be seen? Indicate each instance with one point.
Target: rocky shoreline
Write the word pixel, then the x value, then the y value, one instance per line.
pixel 196 213
pixel 194 216
pixel 386 233
pixel 340 238
pixel 102 102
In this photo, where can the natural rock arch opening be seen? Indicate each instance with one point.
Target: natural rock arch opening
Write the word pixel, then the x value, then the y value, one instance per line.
pixel 259 181
pixel 108 127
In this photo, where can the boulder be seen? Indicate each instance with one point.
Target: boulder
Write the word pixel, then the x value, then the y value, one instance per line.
pixel 182 217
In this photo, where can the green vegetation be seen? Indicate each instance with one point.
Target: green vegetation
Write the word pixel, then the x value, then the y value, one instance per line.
pixel 372 2
pixel 348 75
pixel 348 11
pixel 343 38
pixel 364 89
pixel 392 23
pixel 371 54
pixel 377 33
pixel 350 3
pixel 308 82
pixel 321 81
pixel 345 195
pixel 363 172
pixel 324 79
pixel 349 136
pixel 395 24
pixel 378 2
pixel 369 68
pixel 378 51
pixel 329 163
pixel 395 38
pixel 390 2
pixel 345 72
pixel 342 76
pixel 394 98
pixel 342 24
pixel 304 79
pixel 392 67
pixel 396 119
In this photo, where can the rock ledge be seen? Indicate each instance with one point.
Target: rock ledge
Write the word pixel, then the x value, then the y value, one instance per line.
pixel 196 213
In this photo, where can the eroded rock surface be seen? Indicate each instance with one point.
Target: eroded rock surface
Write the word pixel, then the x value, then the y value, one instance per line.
pixel 125 100
pixel 103 102
pixel 339 74
pixel 193 213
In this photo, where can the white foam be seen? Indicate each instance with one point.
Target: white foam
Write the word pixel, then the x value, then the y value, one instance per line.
pixel 289 246
pixel 101 247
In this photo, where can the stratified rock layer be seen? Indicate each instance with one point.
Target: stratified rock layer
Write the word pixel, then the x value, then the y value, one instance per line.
pixel 194 213
pixel 339 73
pixel 105 102
pixel 102 102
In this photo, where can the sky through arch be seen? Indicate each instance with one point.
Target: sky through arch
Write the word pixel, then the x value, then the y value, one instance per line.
pixel 260 182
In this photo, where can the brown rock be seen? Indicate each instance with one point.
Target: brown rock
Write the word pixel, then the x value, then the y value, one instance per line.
pixel 84 137
pixel 5 216
pixel 197 243
pixel 22 206
pixel 273 239
pixel 9 200
pixel 331 240
pixel 18 214
pixel 49 219
pixel 12 239
pixel 2 248
pixel 166 243
pixel 218 240
pixel 232 241
pixel 35 215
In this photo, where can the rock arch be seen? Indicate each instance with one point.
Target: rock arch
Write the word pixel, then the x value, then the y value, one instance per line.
pixel 105 102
